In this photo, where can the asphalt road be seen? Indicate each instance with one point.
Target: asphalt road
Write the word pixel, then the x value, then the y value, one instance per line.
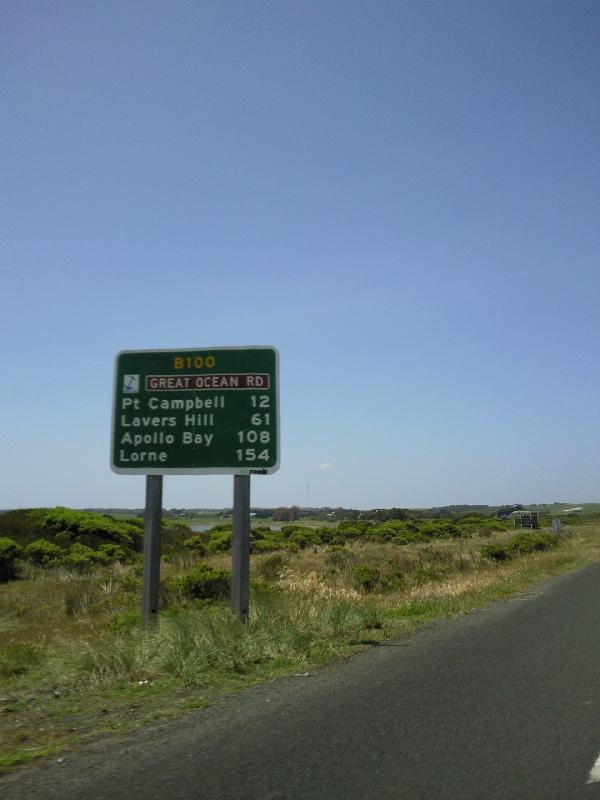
pixel 502 703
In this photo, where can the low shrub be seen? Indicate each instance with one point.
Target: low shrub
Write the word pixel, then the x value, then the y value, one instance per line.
pixel 131 582
pixel 495 551
pixel 393 577
pixel 220 541
pixel 17 659
pixel 272 567
pixel 263 532
pixel 354 529
pixel 203 582
pixel 337 555
pixel 288 530
pixel 20 526
pixel 426 571
pixel 521 544
pixel 410 537
pixel 482 526
pixel 328 535
pixel 196 544
pixel 82 558
pixel 524 543
pixel 43 553
pixel 71 526
pixel 265 546
pixel 10 551
pixel 365 577
pixel 305 537
pixel 124 621
pixel 108 553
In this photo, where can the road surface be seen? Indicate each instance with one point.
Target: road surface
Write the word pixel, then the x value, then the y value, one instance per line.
pixel 503 703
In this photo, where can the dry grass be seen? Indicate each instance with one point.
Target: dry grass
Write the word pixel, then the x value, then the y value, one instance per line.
pixel 316 586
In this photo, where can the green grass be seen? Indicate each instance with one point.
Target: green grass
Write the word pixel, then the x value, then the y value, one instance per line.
pixel 20 757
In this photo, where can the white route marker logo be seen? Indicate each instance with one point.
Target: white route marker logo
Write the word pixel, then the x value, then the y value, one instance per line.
pixel 131 384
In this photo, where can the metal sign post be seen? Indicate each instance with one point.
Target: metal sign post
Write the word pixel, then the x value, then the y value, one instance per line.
pixel 240 548
pixel 191 412
pixel 151 573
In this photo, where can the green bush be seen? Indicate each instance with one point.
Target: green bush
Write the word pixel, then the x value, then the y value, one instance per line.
pixel 173 535
pixel 524 542
pixel 88 528
pixel 82 558
pixel 426 571
pixel 327 535
pixel 365 577
pixel 220 541
pixel 495 551
pixel 521 544
pixel 262 532
pixel 337 555
pixel 265 546
pixel 288 530
pixel 196 544
pixel 272 567
pixel 10 551
pixel 17 659
pixel 43 553
pixel 354 528
pixel 124 621
pixel 20 526
pixel 130 582
pixel 410 537
pixel 108 553
pixel 305 537
pixel 393 577
pixel 204 582
pixel 482 526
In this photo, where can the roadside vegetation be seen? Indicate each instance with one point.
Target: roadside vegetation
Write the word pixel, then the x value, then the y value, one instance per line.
pixel 74 660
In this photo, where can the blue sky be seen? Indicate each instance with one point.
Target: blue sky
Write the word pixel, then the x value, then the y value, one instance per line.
pixel 402 197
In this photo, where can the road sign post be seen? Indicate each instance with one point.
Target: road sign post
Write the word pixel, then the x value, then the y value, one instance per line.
pixel 240 548
pixel 151 569
pixel 190 412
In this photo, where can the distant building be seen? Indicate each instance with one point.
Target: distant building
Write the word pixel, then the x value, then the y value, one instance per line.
pixel 525 519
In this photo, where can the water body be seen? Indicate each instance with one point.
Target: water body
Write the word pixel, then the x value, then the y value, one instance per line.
pixel 201 528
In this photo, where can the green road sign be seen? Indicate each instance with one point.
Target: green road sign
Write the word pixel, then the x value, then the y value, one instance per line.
pixel 196 411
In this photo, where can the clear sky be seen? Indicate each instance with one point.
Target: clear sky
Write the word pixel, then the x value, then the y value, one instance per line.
pixel 402 197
